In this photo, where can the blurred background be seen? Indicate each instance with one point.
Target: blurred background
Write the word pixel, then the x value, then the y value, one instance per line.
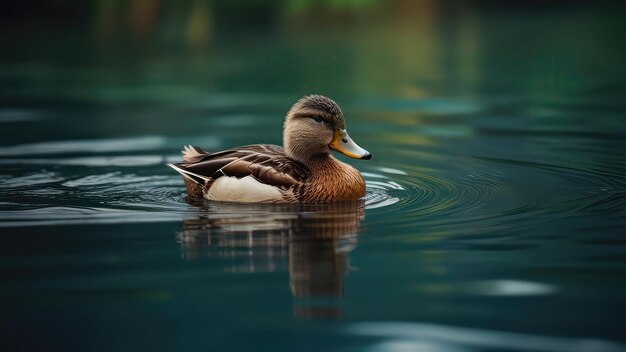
pixel 494 213
pixel 166 61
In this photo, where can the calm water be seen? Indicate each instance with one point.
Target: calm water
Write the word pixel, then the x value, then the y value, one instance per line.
pixel 494 218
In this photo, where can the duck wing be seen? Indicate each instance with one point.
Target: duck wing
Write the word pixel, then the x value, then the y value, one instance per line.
pixel 265 162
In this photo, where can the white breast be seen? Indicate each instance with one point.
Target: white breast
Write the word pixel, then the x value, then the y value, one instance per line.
pixel 245 189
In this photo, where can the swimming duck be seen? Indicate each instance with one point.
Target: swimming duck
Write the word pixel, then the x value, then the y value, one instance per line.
pixel 304 171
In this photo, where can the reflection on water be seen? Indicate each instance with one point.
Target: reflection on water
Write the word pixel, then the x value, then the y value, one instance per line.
pixel 398 336
pixel 316 239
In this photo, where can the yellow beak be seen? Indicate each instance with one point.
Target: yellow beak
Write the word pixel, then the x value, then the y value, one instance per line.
pixel 345 145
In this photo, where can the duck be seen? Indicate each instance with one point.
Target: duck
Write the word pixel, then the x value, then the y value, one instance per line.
pixel 303 170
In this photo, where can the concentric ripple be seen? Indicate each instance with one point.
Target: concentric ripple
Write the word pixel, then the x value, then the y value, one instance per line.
pixel 408 195
pixel 418 194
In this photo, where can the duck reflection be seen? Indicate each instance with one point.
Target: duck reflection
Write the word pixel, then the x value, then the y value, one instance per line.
pixel 311 241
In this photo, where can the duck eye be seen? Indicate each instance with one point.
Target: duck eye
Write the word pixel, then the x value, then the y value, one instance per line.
pixel 318 119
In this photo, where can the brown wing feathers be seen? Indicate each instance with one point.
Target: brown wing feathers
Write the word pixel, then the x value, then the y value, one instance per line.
pixel 266 163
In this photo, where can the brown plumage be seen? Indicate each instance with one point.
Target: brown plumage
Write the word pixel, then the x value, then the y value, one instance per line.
pixel 303 171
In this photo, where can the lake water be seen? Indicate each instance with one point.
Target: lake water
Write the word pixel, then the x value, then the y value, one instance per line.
pixel 496 198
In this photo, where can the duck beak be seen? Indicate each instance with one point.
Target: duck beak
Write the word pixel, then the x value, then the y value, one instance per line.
pixel 345 145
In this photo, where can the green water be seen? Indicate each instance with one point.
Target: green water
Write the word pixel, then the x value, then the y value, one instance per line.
pixel 496 203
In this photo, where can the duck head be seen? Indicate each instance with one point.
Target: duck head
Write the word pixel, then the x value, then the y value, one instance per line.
pixel 315 126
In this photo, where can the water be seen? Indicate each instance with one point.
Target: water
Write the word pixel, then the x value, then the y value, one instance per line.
pixel 495 209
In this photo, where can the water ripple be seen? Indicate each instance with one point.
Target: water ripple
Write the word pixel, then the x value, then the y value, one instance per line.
pixel 95 161
pixel 413 195
pixel 27 181
pixel 85 146
pixel 59 215
pixel 410 194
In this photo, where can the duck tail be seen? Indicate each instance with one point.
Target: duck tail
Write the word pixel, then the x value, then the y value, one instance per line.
pixel 195 178
pixel 193 154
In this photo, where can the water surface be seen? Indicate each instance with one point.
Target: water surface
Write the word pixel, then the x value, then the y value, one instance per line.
pixel 495 209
